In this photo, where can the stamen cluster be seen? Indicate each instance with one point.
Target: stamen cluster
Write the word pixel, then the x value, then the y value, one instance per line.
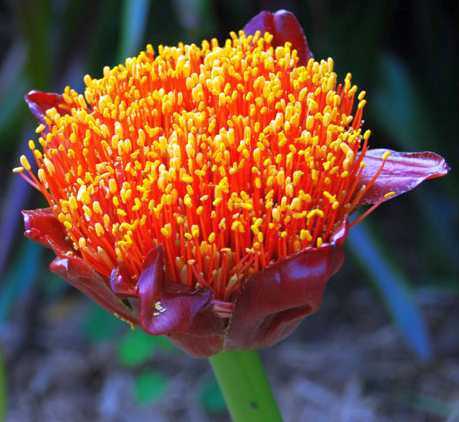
pixel 230 157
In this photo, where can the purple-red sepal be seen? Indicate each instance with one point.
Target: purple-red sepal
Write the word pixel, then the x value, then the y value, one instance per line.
pixel 284 27
pixel 82 276
pixel 121 283
pixel 42 226
pixel 273 302
pixel 269 307
pixel 40 102
pixel 183 313
pixel 402 172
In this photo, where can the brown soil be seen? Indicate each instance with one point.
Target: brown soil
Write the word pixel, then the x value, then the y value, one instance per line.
pixel 346 363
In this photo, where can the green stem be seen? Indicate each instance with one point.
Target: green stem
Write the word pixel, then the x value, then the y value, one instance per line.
pixel 246 388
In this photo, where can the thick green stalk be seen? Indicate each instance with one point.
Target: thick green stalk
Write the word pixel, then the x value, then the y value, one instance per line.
pixel 246 388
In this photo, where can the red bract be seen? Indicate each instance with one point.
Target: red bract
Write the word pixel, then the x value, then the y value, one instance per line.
pixel 284 26
pixel 155 262
pixel 402 172
pixel 39 102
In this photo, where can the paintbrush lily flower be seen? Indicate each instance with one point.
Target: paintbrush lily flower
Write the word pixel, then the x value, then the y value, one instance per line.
pixel 205 192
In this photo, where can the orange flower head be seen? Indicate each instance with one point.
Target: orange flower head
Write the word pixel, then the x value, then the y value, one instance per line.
pixel 230 156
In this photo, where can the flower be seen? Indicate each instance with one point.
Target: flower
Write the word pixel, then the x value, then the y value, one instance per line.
pixel 204 192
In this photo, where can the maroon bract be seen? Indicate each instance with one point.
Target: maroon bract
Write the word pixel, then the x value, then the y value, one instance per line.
pixel 39 102
pixel 402 172
pixel 284 26
pixel 204 193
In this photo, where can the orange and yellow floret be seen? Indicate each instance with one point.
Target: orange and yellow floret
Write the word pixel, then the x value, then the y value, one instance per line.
pixel 230 157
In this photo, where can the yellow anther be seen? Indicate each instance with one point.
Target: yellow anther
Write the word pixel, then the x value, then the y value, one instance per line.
pixel 361 95
pixel 25 162
pixel 386 155
pixel 112 186
pixel 195 231
pixel 346 149
pixel 96 207
pixel 329 196
pixel 315 213
pixel 83 195
pixel 99 229
pixel 276 214
pixel 41 176
pixel 49 165
pixel 82 243
pixel 187 201
pixel 187 178
pixel 40 128
pixel 73 203
pixel 362 103
pixel 222 224
pixel 166 230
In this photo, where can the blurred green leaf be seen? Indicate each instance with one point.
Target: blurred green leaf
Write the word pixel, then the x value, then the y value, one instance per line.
pixel 99 325
pixel 355 18
pixel 197 17
pixel 133 22
pixel 149 387
pixel 12 87
pixel 398 108
pixel 164 343
pixel 104 47
pixel 137 347
pixel 53 287
pixel 161 33
pixel 35 21
pixel 10 106
pixel 393 288
pixel 211 397
pixel 20 278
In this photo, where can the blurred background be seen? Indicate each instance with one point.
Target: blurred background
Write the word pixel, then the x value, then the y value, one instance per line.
pixel 384 346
